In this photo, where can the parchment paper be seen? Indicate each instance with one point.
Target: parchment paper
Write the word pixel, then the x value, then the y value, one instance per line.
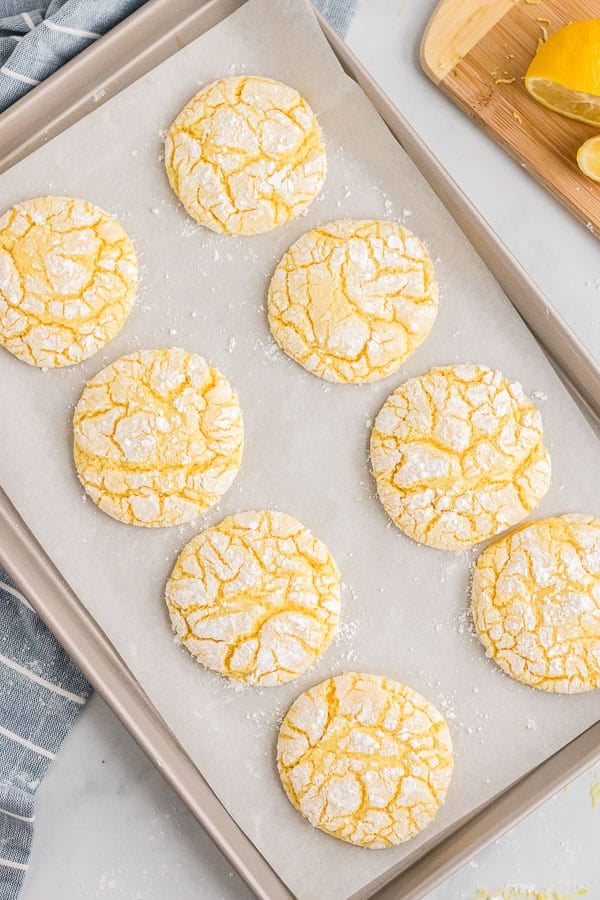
pixel 404 606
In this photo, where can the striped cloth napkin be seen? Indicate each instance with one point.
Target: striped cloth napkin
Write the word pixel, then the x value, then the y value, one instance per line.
pixel 41 691
pixel 37 37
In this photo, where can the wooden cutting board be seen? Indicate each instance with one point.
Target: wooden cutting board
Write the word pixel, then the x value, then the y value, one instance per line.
pixel 478 51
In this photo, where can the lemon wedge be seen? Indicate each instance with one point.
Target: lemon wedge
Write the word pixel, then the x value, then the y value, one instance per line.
pixel 564 74
pixel 588 158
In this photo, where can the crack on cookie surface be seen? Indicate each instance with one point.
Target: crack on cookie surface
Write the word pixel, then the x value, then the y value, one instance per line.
pixel 458 456
pixel 158 437
pixel 352 299
pixel 245 155
pixel 536 603
pixel 256 597
pixel 365 759
pixel 68 275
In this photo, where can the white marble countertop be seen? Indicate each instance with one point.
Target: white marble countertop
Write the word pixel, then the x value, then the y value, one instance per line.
pixel 108 826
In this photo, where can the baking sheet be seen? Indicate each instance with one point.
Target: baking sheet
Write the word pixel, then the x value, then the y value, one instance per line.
pixel 405 606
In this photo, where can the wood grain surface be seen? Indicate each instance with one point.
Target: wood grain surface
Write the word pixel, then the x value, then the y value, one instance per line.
pixel 478 52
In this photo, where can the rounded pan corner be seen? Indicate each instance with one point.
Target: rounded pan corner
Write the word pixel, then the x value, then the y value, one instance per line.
pixel 431 35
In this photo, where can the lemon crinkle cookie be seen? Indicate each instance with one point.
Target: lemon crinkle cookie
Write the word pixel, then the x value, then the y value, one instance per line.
pixel 245 155
pixel 68 275
pixel 458 456
pixel 352 299
pixel 256 597
pixel 365 759
pixel 536 603
pixel 158 437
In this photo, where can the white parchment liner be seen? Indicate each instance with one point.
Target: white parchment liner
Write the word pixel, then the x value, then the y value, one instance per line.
pixel 404 607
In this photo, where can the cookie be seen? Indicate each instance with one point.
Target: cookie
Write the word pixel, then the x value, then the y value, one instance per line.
pixel 256 598
pixel 68 275
pixel 352 299
pixel 245 155
pixel 366 759
pixel 158 437
pixel 458 456
pixel 536 603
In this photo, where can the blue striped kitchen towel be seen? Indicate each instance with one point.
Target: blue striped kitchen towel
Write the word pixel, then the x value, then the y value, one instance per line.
pixel 41 691
pixel 37 37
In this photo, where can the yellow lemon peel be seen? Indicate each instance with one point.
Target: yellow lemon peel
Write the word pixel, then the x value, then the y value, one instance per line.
pixel 526 894
pixel 595 793
pixel 588 158
pixel 564 74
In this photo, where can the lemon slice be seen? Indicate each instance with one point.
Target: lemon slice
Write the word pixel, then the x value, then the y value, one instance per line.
pixel 588 158
pixel 564 75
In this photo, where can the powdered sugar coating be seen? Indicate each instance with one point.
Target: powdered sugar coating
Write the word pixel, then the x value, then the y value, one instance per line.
pixel 245 155
pixel 256 597
pixel 158 437
pixel 68 275
pixel 350 300
pixel 458 456
pixel 536 603
pixel 366 759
